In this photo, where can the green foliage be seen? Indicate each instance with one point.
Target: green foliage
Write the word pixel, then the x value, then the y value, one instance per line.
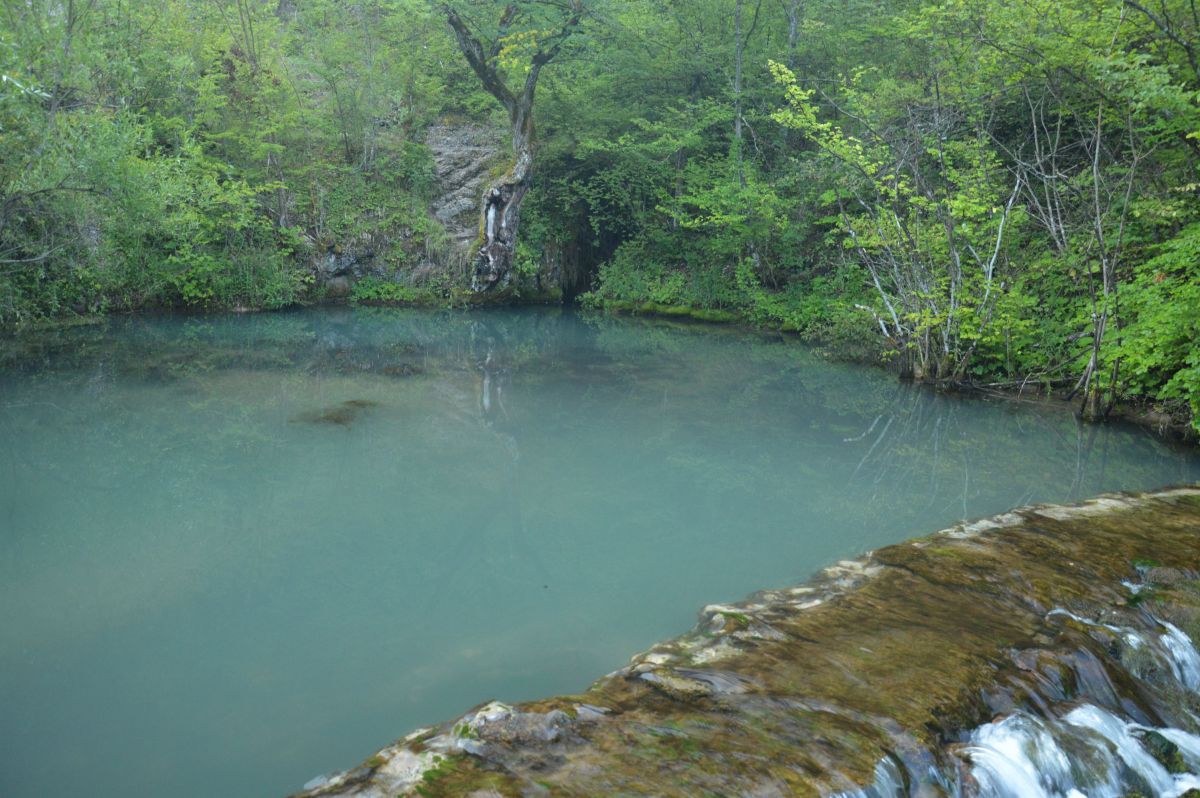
pixel 999 193
pixel 375 290
pixel 965 188
pixel 634 276
pixel 827 308
pixel 1158 348
pixel 200 154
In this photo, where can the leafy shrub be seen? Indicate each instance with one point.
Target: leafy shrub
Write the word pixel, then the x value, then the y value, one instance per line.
pixel 1158 350
pixel 372 289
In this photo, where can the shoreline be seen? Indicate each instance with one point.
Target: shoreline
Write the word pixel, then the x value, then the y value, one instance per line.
pixel 1137 411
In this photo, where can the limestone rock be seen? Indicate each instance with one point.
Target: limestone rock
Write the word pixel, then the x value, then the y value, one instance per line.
pixel 463 156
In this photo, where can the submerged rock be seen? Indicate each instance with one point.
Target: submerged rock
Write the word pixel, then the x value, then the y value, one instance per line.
pixel 342 414
pixel 1046 652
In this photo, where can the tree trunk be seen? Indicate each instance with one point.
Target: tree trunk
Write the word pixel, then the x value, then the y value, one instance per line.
pixel 795 12
pixel 739 46
pixel 501 211
pixel 501 207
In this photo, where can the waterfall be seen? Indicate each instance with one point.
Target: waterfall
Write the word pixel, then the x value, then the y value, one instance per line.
pixel 1017 757
pixel 1084 750
pixel 1129 749
pixel 1185 662
pixel 889 783
pixel 1188 745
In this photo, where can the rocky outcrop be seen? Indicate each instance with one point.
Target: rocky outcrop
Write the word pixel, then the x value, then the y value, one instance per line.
pixel 1044 652
pixel 349 261
pixel 467 159
pixel 464 157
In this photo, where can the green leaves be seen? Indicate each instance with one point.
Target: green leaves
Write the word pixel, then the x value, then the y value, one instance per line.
pixel 207 153
pixel 1158 347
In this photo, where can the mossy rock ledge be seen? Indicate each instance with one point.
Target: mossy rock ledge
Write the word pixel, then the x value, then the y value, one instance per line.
pixel 869 680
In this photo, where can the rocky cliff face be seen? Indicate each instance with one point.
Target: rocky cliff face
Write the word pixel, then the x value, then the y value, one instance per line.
pixel 464 156
pixel 337 269
pixel 1044 653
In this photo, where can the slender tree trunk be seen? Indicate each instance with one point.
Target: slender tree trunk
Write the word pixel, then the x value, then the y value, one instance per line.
pixel 739 57
pixel 795 12
pixel 738 47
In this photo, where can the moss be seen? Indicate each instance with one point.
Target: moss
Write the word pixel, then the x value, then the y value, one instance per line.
pixel 1165 751
pixel 741 619
pixel 463 775
pixel 711 315
pixel 433 776
pixel 1139 661
pixel 508 297
pixel 465 731
pixel 1139 598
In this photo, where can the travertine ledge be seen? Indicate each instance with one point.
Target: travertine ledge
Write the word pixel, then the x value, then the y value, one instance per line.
pixel 873 673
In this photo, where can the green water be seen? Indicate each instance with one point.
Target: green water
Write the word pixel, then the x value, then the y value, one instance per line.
pixel 238 552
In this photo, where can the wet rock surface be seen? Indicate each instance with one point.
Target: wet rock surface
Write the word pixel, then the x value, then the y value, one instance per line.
pixel 1045 651
pixel 463 156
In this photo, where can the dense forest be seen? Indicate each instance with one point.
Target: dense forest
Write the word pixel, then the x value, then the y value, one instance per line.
pixel 1003 194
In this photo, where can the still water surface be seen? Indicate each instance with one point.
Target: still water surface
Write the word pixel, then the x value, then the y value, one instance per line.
pixel 237 552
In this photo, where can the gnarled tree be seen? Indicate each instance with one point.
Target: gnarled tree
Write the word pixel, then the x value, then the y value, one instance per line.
pixel 528 30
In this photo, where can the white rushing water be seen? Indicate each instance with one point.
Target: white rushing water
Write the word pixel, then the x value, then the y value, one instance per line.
pixel 1185 662
pixel 1018 757
pixel 889 783
pixel 1088 752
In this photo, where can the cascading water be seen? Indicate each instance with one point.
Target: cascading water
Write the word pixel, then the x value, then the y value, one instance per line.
pixel 1018 757
pixel 1070 746
pixel 1184 661
pixel 889 783
pixel 1087 751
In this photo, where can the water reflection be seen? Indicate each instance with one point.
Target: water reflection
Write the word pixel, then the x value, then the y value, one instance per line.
pixel 238 551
